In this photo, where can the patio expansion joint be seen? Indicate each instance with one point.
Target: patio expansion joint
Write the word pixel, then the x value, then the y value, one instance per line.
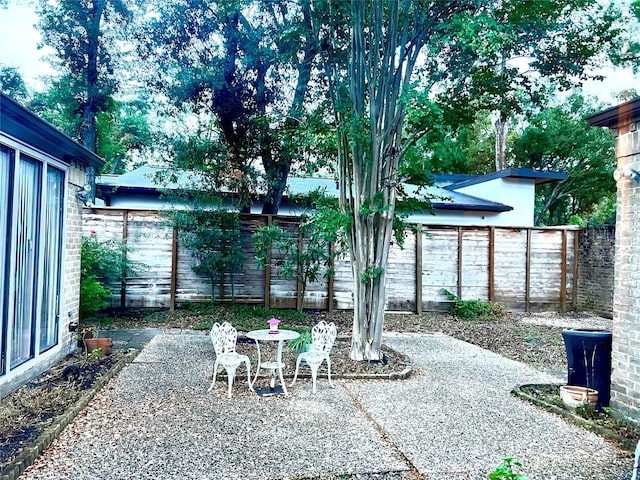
pixel 412 469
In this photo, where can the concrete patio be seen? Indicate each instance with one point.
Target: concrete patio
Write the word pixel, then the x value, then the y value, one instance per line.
pixel 454 418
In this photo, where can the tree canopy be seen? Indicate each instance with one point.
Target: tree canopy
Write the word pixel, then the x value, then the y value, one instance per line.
pixel 559 138
pixel 84 54
pixel 246 63
pixel 12 84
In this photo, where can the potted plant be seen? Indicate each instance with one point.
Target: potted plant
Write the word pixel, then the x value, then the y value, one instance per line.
pixel 93 343
pixel 303 342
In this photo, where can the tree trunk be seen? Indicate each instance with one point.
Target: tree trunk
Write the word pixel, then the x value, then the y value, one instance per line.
pixel 277 174
pixel 501 142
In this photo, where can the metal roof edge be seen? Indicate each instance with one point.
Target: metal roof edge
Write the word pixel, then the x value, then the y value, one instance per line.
pixel 540 176
pixel 24 125
pixel 621 114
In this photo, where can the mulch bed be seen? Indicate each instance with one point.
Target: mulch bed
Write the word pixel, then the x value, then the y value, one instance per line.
pixel 30 410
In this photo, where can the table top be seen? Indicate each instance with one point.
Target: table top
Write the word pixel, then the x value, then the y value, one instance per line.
pixel 265 335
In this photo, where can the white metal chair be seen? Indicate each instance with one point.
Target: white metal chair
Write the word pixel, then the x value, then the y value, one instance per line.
pixel 323 335
pixel 224 339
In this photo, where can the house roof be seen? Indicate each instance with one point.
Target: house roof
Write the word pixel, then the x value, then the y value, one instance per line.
pixel 145 179
pixel 538 176
pixel 23 125
pixel 622 114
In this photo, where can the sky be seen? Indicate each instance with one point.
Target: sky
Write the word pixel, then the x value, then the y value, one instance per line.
pixel 19 48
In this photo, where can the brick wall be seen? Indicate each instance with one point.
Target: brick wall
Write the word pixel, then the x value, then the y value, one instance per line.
pixel 71 266
pixel 596 247
pixel 625 378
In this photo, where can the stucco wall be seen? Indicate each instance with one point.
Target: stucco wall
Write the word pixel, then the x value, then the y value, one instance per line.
pixel 518 193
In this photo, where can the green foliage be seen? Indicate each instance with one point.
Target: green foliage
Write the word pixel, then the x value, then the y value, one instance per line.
pixel 122 130
pixel 93 297
pixel 299 344
pixel 213 237
pixel 472 309
pixel 82 36
pixel 246 66
pixel 506 470
pixel 446 138
pixel 604 213
pixel 102 263
pixel 371 274
pixel 310 254
pixel 558 138
pixel 12 84
pixel 106 260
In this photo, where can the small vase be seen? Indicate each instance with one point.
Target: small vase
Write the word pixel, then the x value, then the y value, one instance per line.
pixel 574 396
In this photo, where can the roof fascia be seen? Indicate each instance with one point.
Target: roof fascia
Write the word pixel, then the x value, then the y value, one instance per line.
pixel 23 125
pixel 538 176
pixel 619 117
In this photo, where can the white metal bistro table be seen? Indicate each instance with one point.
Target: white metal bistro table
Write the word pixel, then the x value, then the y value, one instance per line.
pixel 280 337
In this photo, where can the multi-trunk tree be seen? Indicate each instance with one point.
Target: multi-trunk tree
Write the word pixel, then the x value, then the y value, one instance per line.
pixel 370 52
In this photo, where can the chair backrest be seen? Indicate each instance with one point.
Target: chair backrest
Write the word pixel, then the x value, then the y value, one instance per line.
pixel 223 338
pixel 323 335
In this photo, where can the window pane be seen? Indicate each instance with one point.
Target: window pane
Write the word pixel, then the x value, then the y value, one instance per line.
pixel 6 181
pixel 52 247
pixel 28 217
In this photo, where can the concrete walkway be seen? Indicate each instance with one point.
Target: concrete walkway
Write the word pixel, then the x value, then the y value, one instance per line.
pixel 453 419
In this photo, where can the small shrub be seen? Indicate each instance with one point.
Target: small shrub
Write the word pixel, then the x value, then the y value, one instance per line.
pixel 505 471
pixel 101 262
pixel 472 309
pixel 93 297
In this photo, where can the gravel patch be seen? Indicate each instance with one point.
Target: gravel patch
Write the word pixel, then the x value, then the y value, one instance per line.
pixel 157 419
pixel 452 419
pixel 576 320
pixel 457 417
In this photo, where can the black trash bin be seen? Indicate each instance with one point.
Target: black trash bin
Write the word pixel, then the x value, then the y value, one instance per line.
pixel 589 361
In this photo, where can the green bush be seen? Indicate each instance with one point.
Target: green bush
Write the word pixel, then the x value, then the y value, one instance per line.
pixel 472 309
pixel 101 263
pixel 93 297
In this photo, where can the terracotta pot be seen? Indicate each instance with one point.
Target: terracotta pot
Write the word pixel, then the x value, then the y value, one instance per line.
pixel 573 396
pixel 104 344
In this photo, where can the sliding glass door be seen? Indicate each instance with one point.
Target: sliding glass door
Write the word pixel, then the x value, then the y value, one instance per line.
pixel 27 207
pixel 32 194
pixel 6 187
pixel 52 251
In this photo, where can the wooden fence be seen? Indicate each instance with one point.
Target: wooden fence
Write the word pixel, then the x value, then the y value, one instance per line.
pixel 531 269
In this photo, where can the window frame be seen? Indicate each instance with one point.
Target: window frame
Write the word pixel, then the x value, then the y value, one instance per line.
pixel 8 310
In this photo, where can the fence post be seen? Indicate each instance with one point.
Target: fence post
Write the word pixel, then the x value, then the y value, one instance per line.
pixel 174 270
pixel 574 287
pixel 492 263
pixel 459 292
pixel 527 287
pixel 563 274
pixel 330 284
pixel 267 272
pixel 419 269
pixel 123 277
pixel 299 284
